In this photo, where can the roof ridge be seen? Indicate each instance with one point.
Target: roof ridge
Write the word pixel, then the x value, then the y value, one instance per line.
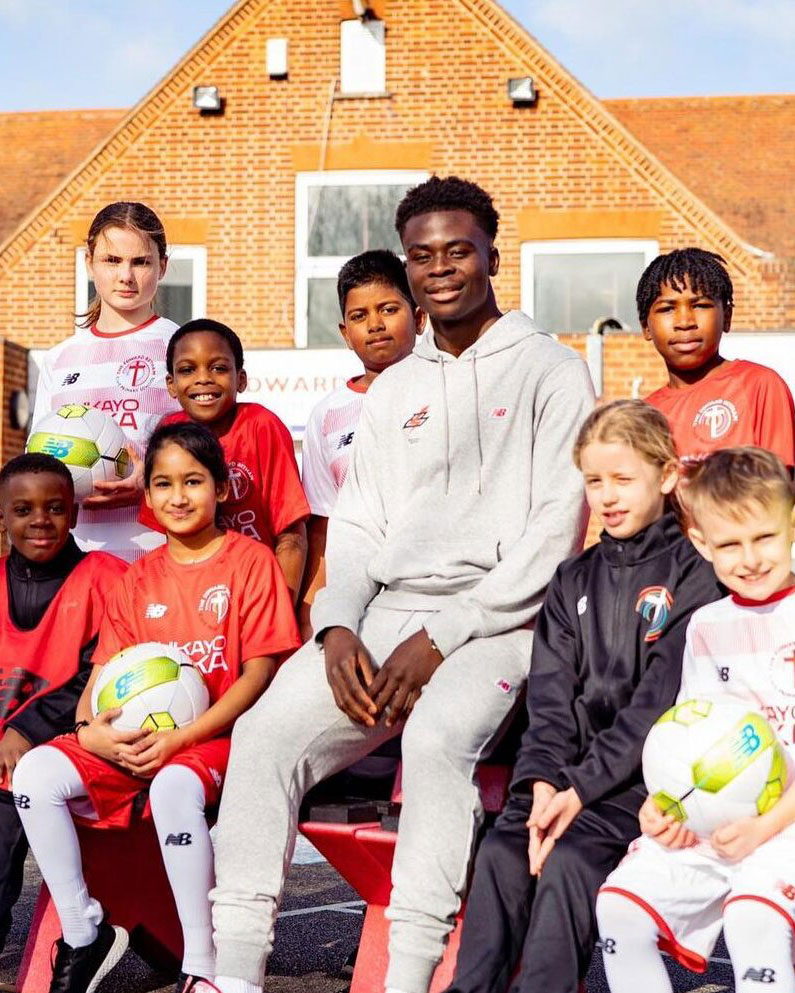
pixel 148 108
pixel 510 34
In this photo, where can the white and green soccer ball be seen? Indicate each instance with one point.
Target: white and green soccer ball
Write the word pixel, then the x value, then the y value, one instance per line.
pixel 710 763
pixel 85 439
pixel 155 685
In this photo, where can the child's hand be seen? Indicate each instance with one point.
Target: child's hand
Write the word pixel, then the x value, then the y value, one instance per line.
pixel 152 752
pixel 550 823
pixel 100 738
pixel 13 746
pixel 740 838
pixel 399 682
pixel 542 794
pixel 349 669
pixel 664 828
pixel 126 493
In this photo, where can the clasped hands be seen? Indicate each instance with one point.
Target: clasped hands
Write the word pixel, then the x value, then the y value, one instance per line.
pixel 141 753
pixel 364 694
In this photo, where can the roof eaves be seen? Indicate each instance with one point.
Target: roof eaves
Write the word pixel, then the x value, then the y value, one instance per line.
pixel 141 116
pixel 520 44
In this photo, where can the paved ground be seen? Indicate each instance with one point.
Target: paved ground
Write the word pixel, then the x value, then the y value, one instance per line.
pixel 316 933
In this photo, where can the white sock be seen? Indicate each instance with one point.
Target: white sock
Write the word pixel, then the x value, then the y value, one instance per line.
pixel 44 781
pixel 229 984
pixel 629 947
pixel 177 799
pixel 759 940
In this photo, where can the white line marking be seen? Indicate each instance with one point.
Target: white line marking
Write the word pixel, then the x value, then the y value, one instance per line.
pixel 348 907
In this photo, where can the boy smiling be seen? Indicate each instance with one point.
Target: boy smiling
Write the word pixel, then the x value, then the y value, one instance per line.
pixel 685 304
pixel 440 547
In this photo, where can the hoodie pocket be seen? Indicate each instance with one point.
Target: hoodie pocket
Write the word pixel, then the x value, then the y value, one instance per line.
pixel 434 565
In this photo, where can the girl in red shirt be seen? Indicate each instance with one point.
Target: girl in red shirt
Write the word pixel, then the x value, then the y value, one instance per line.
pixel 222 599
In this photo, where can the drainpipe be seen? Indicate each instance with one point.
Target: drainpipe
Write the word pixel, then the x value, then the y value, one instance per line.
pixel 594 349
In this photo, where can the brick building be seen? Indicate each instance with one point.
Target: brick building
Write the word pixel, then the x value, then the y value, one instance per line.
pixel 327 118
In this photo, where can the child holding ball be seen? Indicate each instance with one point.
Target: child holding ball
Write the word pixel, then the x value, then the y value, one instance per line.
pixel 672 889
pixel 221 598
pixel 116 363
pixel 606 660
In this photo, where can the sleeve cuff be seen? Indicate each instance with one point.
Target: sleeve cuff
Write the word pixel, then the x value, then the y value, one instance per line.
pixel 450 628
pixel 334 612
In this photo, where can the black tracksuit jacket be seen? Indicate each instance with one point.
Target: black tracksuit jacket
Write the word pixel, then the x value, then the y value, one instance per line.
pixel 607 661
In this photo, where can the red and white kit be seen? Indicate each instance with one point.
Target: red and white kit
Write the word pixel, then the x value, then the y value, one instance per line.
pixel 743 650
pixel 123 375
pixel 328 444
pixel 265 492
pixel 221 612
pixel 740 403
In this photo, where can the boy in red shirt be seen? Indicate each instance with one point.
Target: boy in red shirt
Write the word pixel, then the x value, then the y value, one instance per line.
pixel 204 364
pixel 52 595
pixel 685 304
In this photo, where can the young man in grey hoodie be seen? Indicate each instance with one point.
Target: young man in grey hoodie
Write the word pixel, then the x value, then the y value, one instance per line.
pixel 461 500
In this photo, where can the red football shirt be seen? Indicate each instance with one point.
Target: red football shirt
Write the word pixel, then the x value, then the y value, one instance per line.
pixel 740 403
pixel 265 492
pixel 221 612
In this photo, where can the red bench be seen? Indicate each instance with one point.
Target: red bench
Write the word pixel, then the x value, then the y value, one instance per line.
pixel 362 854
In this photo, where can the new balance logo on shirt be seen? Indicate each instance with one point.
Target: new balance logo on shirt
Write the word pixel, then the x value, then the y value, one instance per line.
pixel 345 440
pixel 71 379
pixel 155 611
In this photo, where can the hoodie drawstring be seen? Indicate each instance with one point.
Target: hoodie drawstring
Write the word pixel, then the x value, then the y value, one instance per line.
pixel 446 428
pixel 477 420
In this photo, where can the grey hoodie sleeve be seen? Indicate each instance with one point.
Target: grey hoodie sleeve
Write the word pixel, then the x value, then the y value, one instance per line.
pixel 511 594
pixel 355 534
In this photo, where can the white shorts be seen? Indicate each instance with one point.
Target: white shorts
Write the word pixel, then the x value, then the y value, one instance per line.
pixel 685 890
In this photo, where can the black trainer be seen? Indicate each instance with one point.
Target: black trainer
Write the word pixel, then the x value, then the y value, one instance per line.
pixel 81 970
pixel 194 984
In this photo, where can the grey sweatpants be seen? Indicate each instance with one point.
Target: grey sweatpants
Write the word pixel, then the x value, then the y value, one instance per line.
pixel 295 736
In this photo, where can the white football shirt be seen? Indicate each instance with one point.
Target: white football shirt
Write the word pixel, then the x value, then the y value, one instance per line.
pixel 327 445
pixel 123 375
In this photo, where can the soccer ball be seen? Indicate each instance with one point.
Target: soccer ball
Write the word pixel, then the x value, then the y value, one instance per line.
pixel 155 685
pixel 86 440
pixel 711 763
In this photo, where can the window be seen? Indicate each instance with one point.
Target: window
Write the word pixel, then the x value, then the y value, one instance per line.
pixel 337 215
pixel 182 293
pixel 362 56
pixel 567 285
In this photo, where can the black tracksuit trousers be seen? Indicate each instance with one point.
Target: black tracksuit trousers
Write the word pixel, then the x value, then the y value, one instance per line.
pixel 548 923
pixel 13 849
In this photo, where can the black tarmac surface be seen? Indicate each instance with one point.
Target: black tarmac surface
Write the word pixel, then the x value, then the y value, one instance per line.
pixel 317 932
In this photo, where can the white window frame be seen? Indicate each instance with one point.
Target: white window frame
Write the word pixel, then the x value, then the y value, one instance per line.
pixel 328 266
pixel 576 246
pixel 194 253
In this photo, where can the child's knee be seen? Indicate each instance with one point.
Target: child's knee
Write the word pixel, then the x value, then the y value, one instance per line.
pixel 756 923
pixel 176 786
pixel 43 774
pixel 620 919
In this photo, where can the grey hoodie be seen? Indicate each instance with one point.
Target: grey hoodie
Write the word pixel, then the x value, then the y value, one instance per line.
pixel 461 495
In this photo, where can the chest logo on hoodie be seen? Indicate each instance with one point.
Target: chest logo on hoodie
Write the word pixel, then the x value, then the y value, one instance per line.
pixel 654 605
pixel 417 419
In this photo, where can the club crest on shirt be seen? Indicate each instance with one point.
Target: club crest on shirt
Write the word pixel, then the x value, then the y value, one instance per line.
pixel 782 668
pixel 241 478
pixel 214 603
pixel 715 419
pixel 654 605
pixel 136 373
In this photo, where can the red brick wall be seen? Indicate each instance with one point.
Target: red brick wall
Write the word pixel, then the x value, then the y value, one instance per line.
pixel 229 182
pixel 14 377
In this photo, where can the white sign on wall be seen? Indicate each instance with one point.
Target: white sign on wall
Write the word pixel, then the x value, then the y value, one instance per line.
pixel 288 381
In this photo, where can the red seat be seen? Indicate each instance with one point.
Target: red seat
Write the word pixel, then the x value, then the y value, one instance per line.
pixel 125 872
pixel 362 854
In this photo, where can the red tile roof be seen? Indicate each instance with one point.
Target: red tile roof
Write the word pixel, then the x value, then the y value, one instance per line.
pixel 38 150
pixel 736 153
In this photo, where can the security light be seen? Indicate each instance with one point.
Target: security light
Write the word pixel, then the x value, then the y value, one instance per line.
pixel 521 90
pixel 207 99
